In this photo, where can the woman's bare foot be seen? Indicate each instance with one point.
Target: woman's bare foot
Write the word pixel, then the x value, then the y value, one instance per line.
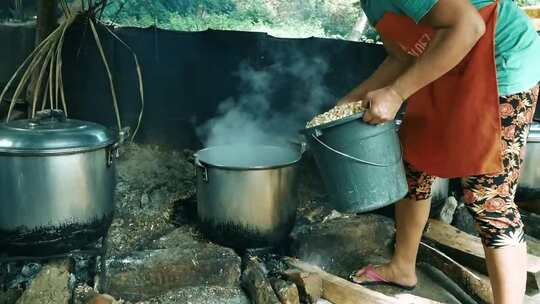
pixel 389 272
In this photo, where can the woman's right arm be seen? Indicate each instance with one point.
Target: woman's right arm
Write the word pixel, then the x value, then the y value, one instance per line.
pixel 393 66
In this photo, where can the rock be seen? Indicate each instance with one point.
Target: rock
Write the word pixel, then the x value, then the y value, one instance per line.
pixel 150 182
pixel 184 236
pixel 10 296
pixel 14 275
pixel 346 243
pixel 533 245
pixel 146 274
pixel 102 299
pixel 447 210
pixel 286 291
pixel 333 215
pixel 439 191
pixel 30 270
pixel 532 223
pixel 129 233
pixel 51 285
pixel 150 168
pixel 202 295
pixel 83 293
pixel 85 267
pixel 464 221
pixel 310 285
pixel 312 196
pixel 316 214
pixel 145 199
pixel 257 285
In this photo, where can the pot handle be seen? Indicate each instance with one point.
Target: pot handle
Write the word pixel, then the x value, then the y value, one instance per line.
pixel 113 153
pixel 123 135
pixel 200 166
pixel 114 150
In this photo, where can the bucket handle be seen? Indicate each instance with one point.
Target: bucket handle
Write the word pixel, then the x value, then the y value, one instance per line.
pixel 354 158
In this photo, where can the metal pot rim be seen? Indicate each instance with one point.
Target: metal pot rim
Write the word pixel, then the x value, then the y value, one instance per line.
pixel 55 151
pixel 534 133
pixel 203 163
pixel 254 168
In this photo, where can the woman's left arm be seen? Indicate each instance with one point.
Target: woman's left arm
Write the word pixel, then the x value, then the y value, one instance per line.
pixel 458 27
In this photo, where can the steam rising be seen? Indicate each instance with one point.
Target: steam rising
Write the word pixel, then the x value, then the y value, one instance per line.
pixel 251 119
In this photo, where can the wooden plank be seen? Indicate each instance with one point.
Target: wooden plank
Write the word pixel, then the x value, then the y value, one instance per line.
pixel 310 285
pixel 286 291
pixel 468 250
pixel 477 286
pixel 341 291
pixel 257 285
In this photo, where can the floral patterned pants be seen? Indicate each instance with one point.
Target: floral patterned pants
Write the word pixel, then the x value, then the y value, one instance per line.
pixel 490 198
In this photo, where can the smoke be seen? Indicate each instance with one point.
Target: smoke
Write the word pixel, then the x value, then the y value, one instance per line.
pixel 251 118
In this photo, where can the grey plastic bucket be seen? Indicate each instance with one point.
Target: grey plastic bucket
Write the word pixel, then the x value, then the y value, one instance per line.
pixel 361 164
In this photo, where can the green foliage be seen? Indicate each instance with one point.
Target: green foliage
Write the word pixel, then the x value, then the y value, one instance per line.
pixel 324 18
pixel 527 2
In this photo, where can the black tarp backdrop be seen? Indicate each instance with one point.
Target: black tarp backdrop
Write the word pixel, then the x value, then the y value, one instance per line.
pixel 188 74
pixel 16 42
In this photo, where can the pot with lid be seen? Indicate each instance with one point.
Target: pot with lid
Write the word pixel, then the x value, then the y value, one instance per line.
pixel 528 192
pixel 57 182
pixel 246 195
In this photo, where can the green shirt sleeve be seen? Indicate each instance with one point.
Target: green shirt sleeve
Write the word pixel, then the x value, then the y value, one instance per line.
pixel 416 9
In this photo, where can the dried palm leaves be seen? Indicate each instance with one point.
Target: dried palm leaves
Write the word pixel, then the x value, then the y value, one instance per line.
pixel 42 70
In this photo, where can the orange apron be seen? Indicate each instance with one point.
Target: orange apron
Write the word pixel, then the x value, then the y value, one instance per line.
pixel 452 126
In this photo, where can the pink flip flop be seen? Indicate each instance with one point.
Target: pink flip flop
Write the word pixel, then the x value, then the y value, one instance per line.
pixel 374 278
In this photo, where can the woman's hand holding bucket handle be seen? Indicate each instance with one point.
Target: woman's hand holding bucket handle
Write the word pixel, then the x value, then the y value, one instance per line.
pixel 382 105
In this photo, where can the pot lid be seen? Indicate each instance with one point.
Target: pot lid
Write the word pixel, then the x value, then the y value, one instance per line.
pixel 534 133
pixel 52 132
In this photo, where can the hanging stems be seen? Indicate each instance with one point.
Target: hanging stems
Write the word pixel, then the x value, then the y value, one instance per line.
pixel 46 64
pixel 109 74
pixel 64 105
pixel 28 73
pixel 51 84
pixel 28 60
pixel 44 101
pixel 65 8
pixel 37 89
pixel 59 82
pixel 139 77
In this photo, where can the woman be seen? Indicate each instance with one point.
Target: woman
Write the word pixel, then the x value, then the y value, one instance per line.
pixel 469 70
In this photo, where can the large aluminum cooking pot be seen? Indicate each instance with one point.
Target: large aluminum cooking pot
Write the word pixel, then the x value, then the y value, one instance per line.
pixel 247 194
pixel 57 179
pixel 529 184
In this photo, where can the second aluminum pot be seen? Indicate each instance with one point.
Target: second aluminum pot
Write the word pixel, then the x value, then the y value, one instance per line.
pixel 247 194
